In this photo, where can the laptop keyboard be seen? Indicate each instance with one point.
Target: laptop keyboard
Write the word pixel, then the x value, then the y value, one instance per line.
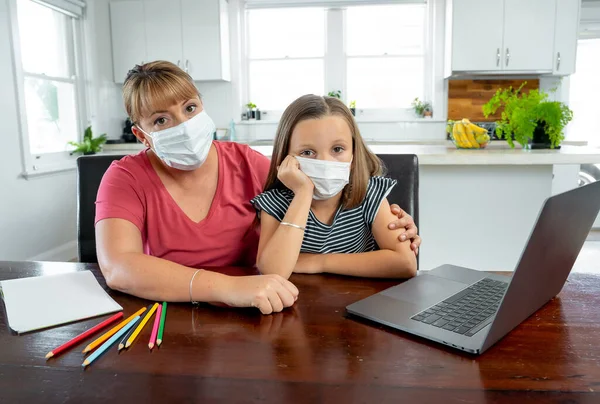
pixel 468 311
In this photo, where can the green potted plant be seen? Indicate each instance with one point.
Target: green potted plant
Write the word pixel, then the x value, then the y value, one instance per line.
pixel 422 108
pixel 251 110
pixel 529 118
pixel 90 144
pixel 352 107
pixel 336 94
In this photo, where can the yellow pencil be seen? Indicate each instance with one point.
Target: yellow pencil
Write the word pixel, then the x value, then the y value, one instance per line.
pixel 141 325
pixel 113 331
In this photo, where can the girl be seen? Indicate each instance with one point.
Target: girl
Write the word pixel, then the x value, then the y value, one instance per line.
pixel 324 208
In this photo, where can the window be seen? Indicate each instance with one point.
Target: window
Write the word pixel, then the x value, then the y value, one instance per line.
pixel 49 83
pixel 583 93
pixel 374 55
pixel 286 65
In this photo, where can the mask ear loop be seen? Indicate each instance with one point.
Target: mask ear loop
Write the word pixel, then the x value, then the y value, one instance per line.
pixel 145 142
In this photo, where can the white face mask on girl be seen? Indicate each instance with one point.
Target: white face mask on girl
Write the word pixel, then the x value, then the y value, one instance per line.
pixel 185 146
pixel 329 177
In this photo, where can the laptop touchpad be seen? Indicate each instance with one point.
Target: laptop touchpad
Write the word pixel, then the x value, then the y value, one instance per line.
pixel 425 290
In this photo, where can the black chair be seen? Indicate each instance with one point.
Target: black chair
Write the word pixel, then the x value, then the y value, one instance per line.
pixel 405 169
pixel 90 170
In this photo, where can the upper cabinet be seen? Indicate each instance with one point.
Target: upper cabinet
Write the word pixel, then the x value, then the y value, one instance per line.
pixel 511 36
pixel 565 36
pixel 194 34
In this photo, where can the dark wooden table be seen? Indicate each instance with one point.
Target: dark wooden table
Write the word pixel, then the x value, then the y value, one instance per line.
pixel 311 353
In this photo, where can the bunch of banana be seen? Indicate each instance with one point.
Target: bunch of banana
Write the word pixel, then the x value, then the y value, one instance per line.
pixel 468 135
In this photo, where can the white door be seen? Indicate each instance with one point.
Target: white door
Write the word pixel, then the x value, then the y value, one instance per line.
pixel 128 37
pixel 476 34
pixel 565 36
pixel 529 35
pixel 201 39
pixel 163 30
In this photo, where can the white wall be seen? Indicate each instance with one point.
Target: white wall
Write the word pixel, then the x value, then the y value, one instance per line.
pixel 37 216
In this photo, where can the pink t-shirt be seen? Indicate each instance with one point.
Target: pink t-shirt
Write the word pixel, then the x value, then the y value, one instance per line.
pixel 132 190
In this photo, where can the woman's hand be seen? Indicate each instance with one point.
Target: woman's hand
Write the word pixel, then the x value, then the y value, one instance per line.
pixel 405 221
pixel 268 293
pixel 309 264
pixel 291 176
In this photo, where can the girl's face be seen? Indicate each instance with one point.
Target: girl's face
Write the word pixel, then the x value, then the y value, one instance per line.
pixel 327 138
pixel 166 118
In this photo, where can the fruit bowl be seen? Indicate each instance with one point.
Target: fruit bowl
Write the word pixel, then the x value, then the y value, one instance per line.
pixel 466 135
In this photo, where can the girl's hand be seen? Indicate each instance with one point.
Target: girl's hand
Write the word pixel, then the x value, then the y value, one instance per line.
pixel 406 222
pixel 291 176
pixel 310 264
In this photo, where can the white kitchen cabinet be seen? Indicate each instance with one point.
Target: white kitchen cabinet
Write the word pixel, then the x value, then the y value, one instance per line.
pixel 193 34
pixel 205 32
pixel 528 35
pixel 162 19
pixel 128 37
pixel 565 36
pixel 475 29
pixel 508 36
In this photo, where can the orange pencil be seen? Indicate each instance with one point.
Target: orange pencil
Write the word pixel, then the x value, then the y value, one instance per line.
pixel 83 335
pixel 155 328
pixel 113 331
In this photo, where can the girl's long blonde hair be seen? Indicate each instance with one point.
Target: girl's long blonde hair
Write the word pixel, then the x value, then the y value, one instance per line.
pixel 365 164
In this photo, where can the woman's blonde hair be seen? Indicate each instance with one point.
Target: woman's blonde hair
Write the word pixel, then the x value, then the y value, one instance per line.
pixel 365 164
pixel 155 86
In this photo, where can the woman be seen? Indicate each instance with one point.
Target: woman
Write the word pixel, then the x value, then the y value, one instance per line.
pixel 184 203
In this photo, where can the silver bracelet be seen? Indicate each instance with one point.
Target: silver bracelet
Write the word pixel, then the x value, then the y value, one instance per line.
pixel 295 226
pixel 191 283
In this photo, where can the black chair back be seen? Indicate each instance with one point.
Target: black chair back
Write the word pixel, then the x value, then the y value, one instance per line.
pixel 405 169
pixel 90 170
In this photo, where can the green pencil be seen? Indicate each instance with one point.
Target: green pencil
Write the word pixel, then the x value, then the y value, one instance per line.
pixel 161 327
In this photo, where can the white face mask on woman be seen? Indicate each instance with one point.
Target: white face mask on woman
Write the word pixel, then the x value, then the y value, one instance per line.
pixel 329 177
pixel 185 146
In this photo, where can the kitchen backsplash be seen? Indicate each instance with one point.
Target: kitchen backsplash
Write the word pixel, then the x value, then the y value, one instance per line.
pixel 466 97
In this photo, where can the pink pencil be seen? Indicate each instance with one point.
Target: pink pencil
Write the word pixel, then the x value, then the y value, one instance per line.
pixel 155 328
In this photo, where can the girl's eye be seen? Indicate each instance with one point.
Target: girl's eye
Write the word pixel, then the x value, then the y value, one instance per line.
pixel 338 149
pixel 191 108
pixel 160 121
pixel 306 153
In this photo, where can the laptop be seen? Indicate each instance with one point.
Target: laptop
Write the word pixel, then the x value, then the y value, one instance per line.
pixel 471 310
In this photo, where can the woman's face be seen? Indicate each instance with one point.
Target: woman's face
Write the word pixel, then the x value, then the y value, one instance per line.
pixel 166 118
pixel 327 138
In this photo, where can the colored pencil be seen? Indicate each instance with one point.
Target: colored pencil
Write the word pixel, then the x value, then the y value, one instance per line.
pixel 155 328
pixel 113 330
pixel 141 326
pixel 161 329
pixel 131 330
pixel 83 335
pixel 108 343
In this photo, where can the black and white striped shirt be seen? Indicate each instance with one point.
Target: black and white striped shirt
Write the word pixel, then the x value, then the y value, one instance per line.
pixel 350 231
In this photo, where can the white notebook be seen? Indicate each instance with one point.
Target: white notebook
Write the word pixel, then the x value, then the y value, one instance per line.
pixel 46 301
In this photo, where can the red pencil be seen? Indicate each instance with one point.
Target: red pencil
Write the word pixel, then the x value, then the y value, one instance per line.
pixel 84 335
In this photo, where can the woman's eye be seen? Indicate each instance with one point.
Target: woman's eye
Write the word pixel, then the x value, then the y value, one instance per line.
pixel 191 108
pixel 160 121
pixel 338 149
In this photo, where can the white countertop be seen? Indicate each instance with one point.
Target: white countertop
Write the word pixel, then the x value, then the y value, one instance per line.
pixel 498 153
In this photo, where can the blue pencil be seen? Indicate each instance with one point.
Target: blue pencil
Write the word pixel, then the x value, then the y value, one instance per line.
pixel 108 343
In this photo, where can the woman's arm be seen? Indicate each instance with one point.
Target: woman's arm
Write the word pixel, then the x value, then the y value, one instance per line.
pixel 127 269
pixel 279 244
pixel 395 259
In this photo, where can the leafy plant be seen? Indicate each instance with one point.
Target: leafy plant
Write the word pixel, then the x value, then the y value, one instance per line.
pixel 421 107
pixel 251 105
pixel 352 104
pixel 523 112
pixel 337 94
pixel 90 144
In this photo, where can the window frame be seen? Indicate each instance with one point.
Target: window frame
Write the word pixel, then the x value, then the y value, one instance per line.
pixel 43 164
pixel 335 66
